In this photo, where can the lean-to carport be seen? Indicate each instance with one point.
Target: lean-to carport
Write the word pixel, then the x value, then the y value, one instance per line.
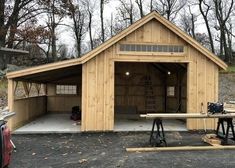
pixel 54 91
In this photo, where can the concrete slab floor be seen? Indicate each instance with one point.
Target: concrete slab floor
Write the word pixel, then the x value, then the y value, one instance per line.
pixel 50 123
pixel 61 123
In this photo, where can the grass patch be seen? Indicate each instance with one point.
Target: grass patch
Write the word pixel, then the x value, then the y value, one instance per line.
pixel 230 69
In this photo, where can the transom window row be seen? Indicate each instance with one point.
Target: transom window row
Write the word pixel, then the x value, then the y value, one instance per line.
pixel 66 89
pixel 151 48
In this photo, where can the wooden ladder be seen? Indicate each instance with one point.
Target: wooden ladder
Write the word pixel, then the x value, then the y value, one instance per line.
pixel 150 99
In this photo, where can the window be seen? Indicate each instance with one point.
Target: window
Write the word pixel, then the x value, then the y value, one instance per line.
pixel 151 48
pixel 66 89
pixel 170 91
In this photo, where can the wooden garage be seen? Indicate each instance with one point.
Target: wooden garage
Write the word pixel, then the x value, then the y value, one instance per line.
pixel 152 66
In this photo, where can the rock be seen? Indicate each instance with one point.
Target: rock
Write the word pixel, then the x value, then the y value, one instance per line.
pixel 226 87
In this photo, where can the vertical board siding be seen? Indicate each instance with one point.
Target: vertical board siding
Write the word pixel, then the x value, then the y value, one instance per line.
pixel 28 109
pixel 98 78
pixel 98 95
pixel 202 88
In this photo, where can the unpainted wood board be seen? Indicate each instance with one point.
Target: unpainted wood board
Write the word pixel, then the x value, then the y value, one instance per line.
pixel 27 109
pixel 181 148
pixel 84 97
pixel 155 32
pixel 131 37
pixel 11 92
pixel 148 32
pixel 100 93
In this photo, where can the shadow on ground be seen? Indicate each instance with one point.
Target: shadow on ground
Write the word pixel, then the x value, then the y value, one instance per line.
pixel 107 150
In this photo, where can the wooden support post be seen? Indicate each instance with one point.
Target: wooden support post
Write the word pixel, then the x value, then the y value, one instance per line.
pixel 11 90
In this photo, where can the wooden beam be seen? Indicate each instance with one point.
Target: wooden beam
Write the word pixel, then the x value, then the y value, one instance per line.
pixel 180 148
pixel 26 88
pixel 11 95
pixel 15 86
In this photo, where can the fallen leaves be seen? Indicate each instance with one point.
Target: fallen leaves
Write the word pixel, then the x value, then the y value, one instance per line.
pixel 82 161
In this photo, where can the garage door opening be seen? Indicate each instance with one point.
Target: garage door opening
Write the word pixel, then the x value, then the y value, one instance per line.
pixel 142 88
pixel 44 101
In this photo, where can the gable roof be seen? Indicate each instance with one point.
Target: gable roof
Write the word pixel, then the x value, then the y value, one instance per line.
pixel 115 39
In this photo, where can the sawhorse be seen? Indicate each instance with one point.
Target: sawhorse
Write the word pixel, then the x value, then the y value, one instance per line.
pixel 225 135
pixel 157 138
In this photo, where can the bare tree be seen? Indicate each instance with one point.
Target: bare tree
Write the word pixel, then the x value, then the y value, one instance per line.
pixel 55 11
pixel 187 22
pixel 169 8
pixel 63 51
pixel 90 7
pixel 102 3
pixel 78 16
pixel 203 39
pixel 13 14
pixel 127 11
pixel 205 8
pixel 223 10
pixel 140 6
pixel 151 8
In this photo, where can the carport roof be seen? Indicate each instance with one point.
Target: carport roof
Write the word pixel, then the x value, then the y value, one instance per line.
pixel 54 75
pixel 115 39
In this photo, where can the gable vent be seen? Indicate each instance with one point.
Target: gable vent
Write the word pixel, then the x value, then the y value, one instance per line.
pixel 151 48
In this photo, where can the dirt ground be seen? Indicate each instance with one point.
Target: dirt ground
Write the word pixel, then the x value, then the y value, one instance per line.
pixel 107 150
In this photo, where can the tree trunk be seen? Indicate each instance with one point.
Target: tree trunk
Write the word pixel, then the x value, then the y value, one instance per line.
pixel 53 36
pixel 102 19
pixel 226 53
pixel 140 6
pixel 90 31
pixel 151 5
pixel 13 29
pixel 207 25
pixel 53 45
pixel 3 30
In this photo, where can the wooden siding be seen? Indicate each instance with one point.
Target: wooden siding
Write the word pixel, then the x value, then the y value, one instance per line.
pixel 202 88
pixel 98 93
pixel 98 77
pixel 62 103
pixel 27 109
